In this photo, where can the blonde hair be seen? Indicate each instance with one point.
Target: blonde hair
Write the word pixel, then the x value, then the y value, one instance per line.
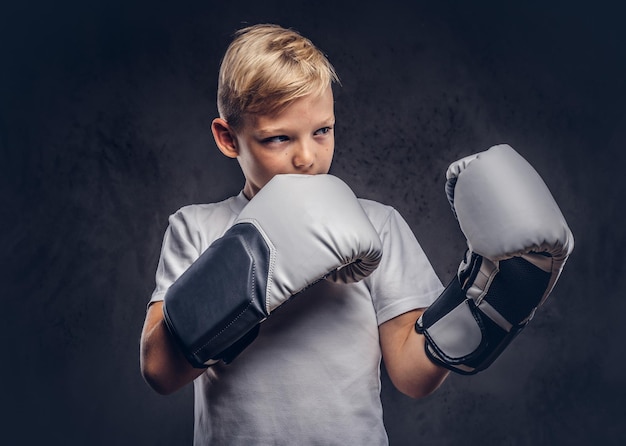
pixel 265 68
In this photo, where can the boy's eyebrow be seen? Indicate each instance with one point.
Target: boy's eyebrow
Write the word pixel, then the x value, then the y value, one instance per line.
pixel 269 132
pixel 272 131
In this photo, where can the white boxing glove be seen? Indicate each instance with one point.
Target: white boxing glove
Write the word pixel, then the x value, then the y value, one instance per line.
pixel 297 230
pixel 518 242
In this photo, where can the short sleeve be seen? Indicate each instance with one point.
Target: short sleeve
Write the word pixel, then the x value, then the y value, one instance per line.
pixel 178 251
pixel 405 280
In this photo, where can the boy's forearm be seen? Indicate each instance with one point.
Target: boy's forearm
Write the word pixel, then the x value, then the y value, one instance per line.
pixel 163 366
pixel 407 364
pixel 424 376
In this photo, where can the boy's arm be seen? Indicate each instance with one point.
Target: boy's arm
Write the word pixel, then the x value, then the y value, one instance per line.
pixel 212 310
pixel 163 365
pixel 518 242
pixel 405 358
pixel 296 231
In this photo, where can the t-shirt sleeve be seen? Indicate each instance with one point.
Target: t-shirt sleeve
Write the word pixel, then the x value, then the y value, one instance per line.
pixel 178 251
pixel 405 280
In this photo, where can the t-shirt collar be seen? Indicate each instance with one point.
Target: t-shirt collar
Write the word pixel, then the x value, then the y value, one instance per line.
pixel 238 202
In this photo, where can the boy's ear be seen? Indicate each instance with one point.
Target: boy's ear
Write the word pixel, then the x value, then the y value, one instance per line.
pixel 224 138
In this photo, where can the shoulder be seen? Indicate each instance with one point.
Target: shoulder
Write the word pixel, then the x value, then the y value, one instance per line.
pixel 386 219
pixel 201 224
pixel 378 213
pixel 199 214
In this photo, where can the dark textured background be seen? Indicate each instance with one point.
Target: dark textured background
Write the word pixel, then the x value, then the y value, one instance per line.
pixel 104 131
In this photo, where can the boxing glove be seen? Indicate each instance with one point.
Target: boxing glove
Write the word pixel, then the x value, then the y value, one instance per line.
pixel 297 230
pixel 518 242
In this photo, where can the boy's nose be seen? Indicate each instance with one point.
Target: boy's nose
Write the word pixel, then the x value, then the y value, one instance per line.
pixel 304 156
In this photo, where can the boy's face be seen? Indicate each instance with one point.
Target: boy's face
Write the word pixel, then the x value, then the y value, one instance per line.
pixel 299 139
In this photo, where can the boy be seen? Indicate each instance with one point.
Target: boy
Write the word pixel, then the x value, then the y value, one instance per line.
pixel 287 127
pixel 312 375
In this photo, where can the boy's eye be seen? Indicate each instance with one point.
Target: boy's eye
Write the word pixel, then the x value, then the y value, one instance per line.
pixel 275 139
pixel 323 130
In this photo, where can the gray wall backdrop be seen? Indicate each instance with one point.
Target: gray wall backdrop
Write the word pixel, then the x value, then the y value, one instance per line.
pixel 105 109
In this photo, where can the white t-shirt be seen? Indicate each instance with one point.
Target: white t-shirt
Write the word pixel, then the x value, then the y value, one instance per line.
pixel 312 376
